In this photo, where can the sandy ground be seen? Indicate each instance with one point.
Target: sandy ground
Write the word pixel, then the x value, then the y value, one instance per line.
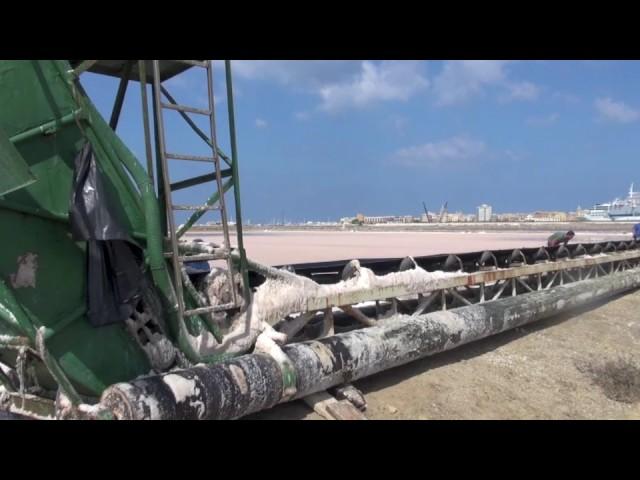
pixel 548 370
pixel 288 247
pixel 554 369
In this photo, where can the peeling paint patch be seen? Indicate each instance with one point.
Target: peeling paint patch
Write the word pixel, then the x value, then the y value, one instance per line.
pixel 324 354
pixel 25 276
pixel 182 388
pixel 240 378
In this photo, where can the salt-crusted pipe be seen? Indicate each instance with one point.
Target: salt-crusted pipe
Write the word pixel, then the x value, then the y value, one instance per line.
pixel 251 383
pixel 284 293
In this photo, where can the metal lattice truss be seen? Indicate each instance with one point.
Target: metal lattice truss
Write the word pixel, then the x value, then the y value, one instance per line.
pixel 363 299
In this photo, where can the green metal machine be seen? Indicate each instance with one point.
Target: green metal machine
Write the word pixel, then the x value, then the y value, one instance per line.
pixel 101 318
pixel 46 122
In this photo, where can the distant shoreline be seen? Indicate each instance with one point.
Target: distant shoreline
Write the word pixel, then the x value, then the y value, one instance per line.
pixel 618 227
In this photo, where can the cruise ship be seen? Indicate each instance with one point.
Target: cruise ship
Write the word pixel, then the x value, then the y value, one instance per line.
pixel 599 213
pixel 627 210
pixel 619 210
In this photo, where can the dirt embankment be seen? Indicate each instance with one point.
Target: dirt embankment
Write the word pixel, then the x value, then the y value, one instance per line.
pixel 612 227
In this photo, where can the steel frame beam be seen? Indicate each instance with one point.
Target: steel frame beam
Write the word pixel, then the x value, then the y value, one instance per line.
pixel 122 91
pixel 83 67
pixel 356 296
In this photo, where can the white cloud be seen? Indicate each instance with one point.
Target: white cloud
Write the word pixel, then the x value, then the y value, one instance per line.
pixel 566 97
pixel 523 91
pixel 544 120
pixel 260 123
pixel 393 80
pixel 305 74
pixel 301 116
pixel 615 111
pixel 456 150
pixel 461 80
pixel 341 84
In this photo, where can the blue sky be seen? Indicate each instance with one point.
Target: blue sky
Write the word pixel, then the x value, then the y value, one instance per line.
pixel 320 140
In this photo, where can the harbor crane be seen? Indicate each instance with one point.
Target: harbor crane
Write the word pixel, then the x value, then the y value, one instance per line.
pixel 426 212
pixel 443 212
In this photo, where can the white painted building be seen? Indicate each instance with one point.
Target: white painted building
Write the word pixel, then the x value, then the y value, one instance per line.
pixel 484 213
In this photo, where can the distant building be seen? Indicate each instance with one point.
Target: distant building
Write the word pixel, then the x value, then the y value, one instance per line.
pixel 548 217
pixel 484 213
pixel 511 217
pixel 405 219
pixel 377 219
pixel 580 213
pixel 456 217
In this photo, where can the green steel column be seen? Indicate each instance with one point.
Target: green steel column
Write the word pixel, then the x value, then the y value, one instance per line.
pixel 122 91
pixel 142 72
pixel 159 174
pixel 236 180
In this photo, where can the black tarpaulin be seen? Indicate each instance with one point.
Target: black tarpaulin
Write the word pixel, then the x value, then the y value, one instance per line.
pixel 114 262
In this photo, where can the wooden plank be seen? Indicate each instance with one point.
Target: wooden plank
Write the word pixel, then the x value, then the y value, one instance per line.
pixel 318 402
pixel 329 408
pixel 344 410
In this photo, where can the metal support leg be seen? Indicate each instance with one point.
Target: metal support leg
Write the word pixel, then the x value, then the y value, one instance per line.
pixel 524 284
pixel 122 91
pixel 145 119
pixel 500 290
pixel 164 168
pixel 221 200
pixel 327 324
pixel 159 171
pixel 425 302
pixel 358 315
pixel 459 297
pixel 236 190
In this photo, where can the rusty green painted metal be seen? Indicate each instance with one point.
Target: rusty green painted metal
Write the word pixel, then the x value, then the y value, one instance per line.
pixel 244 270
pixel 42 269
pixel 15 171
pixel 45 121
